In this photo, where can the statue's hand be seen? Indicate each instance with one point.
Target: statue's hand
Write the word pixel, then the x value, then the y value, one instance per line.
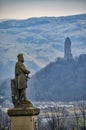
pixel 27 77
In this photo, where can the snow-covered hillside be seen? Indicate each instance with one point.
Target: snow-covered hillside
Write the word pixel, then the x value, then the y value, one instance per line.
pixel 41 40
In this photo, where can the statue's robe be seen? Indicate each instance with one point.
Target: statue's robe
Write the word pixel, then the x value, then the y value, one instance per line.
pixel 20 75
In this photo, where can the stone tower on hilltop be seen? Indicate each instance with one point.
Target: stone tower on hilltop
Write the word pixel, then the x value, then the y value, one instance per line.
pixel 67 49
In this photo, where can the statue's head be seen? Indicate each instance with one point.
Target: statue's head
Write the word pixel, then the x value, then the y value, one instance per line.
pixel 20 57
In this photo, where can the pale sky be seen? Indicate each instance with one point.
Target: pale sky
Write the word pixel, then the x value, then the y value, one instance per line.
pixel 22 9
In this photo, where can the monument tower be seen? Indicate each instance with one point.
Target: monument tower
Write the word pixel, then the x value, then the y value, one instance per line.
pixel 67 49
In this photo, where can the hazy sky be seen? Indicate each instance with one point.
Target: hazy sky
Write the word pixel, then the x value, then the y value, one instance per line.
pixel 20 9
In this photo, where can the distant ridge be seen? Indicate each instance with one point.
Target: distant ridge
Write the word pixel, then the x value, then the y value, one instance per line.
pixel 41 40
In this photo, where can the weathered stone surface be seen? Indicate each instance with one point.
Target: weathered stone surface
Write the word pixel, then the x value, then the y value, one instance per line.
pixel 23 111
pixel 24 104
pixel 24 118
pixel 24 123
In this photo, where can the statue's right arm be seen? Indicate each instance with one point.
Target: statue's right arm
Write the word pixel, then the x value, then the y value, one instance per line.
pixel 23 68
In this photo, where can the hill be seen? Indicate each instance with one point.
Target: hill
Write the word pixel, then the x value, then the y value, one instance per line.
pixel 40 39
pixel 62 80
pixel 5 90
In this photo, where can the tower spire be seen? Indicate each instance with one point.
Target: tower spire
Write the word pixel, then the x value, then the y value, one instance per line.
pixel 67 49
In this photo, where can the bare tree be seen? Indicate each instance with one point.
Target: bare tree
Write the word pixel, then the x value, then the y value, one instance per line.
pixel 80 115
pixel 55 119
pixel 82 108
pixel 77 116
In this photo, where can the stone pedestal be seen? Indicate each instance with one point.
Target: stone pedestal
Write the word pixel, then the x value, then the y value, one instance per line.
pixel 24 118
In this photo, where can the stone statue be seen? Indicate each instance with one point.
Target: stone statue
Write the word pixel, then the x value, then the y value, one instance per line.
pixel 21 77
pixel 19 84
pixel 23 116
